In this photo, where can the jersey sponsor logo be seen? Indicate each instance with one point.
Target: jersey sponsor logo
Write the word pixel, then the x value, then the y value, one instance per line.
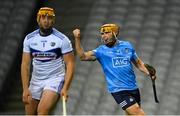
pixel 44 55
pixel 120 61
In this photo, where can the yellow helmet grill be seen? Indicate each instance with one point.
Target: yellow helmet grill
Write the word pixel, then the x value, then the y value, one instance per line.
pixel 45 11
pixel 109 28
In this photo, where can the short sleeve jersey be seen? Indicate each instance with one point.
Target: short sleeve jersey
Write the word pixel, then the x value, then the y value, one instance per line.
pixel 47 52
pixel 117 65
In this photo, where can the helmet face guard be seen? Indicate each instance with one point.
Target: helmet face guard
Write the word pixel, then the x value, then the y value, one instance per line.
pixel 46 11
pixel 110 28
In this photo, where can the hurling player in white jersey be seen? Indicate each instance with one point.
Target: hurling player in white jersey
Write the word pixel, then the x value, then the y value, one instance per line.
pixel 116 58
pixel 52 59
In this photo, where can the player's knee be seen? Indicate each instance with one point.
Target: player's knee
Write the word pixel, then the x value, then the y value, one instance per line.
pixel 142 112
pixel 42 110
pixel 135 110
pixel 139 111
pixel 30 110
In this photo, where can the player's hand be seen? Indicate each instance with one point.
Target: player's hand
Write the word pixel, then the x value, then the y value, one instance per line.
pixel 77 33
pixel 64 93
pixel 27 97
pixel 151 70
pixel 153 77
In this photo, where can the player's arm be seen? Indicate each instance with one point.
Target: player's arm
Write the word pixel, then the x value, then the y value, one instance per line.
pixel 143 68
pixel 25 74
pixel 84 56
pixel 25 69
pixel 69 61
pixel 140 65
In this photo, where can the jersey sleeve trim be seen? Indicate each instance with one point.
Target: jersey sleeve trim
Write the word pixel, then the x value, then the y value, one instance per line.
pixel 30 35
pixel 58 34
pixel 67 52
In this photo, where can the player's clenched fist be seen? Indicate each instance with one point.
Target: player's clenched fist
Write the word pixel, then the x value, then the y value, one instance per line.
pixel 76 33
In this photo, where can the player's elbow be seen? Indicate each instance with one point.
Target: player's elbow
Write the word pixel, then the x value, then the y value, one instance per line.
pixel 82 58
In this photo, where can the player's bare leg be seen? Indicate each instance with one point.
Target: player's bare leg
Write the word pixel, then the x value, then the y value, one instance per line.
pixel 31 107
pixel 48 100
pixel 126 113
pixel 134 110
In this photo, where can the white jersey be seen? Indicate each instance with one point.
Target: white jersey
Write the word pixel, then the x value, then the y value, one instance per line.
pixel 47 52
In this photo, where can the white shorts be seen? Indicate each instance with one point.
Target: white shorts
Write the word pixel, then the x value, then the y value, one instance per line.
pixel 37 87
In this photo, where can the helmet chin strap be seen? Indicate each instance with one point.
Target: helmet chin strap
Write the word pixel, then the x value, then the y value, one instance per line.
pixel 114 35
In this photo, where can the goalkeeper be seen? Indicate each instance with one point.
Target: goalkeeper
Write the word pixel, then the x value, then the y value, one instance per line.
pixel 116 58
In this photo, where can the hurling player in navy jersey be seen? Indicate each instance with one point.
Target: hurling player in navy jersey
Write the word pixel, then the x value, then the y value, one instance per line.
pixel 116 58
pixel 52 58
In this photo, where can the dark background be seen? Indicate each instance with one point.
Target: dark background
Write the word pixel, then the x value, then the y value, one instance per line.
pixel 152 26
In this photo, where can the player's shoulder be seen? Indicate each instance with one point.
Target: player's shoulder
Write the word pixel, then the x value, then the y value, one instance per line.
pixel 125 43
pixel 58 34
pixel 32 34
pixel 101 47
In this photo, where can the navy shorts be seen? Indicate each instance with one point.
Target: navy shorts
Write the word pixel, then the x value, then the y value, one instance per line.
pixel 127 98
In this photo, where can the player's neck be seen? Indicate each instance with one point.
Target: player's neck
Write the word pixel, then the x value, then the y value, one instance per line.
pixel 45 32
pixel 112 43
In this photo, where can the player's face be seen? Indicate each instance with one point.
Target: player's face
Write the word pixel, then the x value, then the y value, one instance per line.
pixel 108 38
pixel 46 21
